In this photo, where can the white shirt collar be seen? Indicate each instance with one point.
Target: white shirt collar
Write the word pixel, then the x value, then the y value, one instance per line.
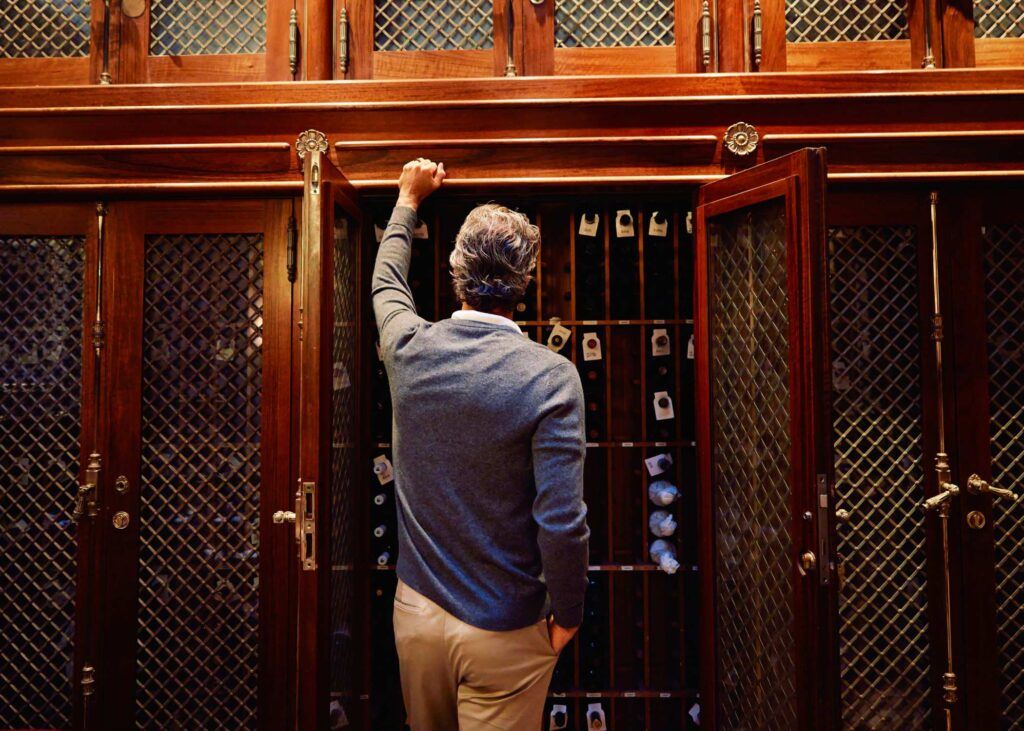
pixel 488 317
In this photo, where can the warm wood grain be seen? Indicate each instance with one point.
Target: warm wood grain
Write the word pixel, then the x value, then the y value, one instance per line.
pixel 848 56
pixel 645 60
pixel 1003 52
pixel 44 71
pixel 206 69
pixel 417 64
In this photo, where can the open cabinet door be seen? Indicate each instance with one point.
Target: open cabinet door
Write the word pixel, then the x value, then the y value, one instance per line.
pixel 769 654
pixel 328 352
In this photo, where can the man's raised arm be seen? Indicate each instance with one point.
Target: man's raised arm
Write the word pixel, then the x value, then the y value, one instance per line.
pixel 393 304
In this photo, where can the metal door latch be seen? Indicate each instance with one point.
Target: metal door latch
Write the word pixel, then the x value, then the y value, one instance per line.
pixel 284 516
pixel 978 486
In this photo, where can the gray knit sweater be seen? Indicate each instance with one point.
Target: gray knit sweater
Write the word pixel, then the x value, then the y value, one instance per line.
pixel 488 450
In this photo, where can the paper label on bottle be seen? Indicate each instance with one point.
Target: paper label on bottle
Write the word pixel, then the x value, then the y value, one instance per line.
pixel 591 346
pixel 421 231
pixel 341 377
pixel 663 406
pixel 840 378
pixel 658 225
pixel 559 718
pixel 654 464
pixel 689 348
pixel 624 224
pixel 378 233
pixel 595 717
pixel 589 223
pixel 225 350
pixel 660 342
pixel 383 469
pixel 558 338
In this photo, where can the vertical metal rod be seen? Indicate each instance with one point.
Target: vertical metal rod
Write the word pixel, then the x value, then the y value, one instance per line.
pixel 293 41
pixel 705 35
pixel 343 41
pixel 929 57
pixel 105 77
pixel 758 35
pixel 949 681
pixel 510 65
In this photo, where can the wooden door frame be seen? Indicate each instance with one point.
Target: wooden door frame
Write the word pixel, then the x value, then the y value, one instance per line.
pixel 324 189
pixel 963 211
pixel 128 225
pixel 861 206
pixel 799 178
pixel 76 219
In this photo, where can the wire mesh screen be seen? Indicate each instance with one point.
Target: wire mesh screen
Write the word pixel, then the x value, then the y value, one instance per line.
pixel 41 283
pixel 592 23
pixel 751 469
pixel 810 21
pixel 998 19
pixel 44 28
pixel 1004 302
pixel 343 435
pixel 198 27
pixel 199 514
pixel 433 25
pixel 876 384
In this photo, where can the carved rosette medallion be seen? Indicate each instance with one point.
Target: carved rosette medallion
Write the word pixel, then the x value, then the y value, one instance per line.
pixel 741 139
pixel 310 140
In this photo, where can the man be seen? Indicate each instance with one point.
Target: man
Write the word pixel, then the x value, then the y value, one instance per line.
pixel 488 458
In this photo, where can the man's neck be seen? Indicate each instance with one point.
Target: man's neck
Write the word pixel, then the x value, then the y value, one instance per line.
pixel 503 312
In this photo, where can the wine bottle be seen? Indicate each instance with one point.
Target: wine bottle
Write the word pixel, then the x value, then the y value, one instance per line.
pixel 662 523
pixel 663 553
pixel 662 492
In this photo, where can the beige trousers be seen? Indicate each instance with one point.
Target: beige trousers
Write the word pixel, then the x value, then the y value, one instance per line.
pixel 456 677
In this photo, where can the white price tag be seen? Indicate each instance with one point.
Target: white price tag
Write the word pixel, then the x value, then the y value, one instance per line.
pixel 658 225
pixel 660 343
pixel 595 718
pixel 658 464
pixel 689 348
pixel 624 224
pixel 383 469
pixel 589 223
pixel 421 231
pixel 558 338
pixel 591 346
pixel 663 406
pixel 341 377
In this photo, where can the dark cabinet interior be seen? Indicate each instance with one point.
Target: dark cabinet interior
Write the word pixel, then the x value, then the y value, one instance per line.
pixel 610 294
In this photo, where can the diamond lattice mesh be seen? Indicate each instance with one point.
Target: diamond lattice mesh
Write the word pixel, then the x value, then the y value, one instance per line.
pixel 432 25
pixel 199 515
pixel 198 27
pixel 1004 302
pixel 810 21
pixel 591 23
pixel 998 19
pixel 751 468
pixel 44 28
pixel 879 476
pixel 40 388
pixel 343 508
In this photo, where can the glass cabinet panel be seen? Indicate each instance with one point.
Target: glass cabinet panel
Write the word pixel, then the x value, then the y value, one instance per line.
pixel 835 35
pixel 200 27
pixel 54 29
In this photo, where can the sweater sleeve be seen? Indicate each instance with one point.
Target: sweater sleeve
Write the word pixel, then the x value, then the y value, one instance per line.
pixel 561 515
pixel 393 304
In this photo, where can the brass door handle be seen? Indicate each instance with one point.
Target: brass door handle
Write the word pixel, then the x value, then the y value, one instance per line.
pixel 947 491
pixel 978 486
pixel 808 561
pixel 284 516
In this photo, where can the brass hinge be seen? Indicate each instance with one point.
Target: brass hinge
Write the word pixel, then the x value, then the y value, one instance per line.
pixel 758 45
pixel 293 41
pixel 293 248
pixel 343 41
pixel 705 35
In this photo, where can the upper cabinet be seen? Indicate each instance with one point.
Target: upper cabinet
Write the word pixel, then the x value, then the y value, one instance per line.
pixel 60 42
pixel 999 32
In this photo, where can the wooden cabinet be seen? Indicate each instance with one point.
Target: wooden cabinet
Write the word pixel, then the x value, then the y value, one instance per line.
pixel 60 42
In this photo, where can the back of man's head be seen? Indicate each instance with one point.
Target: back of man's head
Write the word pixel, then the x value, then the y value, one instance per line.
pixel 494 258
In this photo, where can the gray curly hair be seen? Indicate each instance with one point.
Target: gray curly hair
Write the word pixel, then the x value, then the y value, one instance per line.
pixel 494 257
